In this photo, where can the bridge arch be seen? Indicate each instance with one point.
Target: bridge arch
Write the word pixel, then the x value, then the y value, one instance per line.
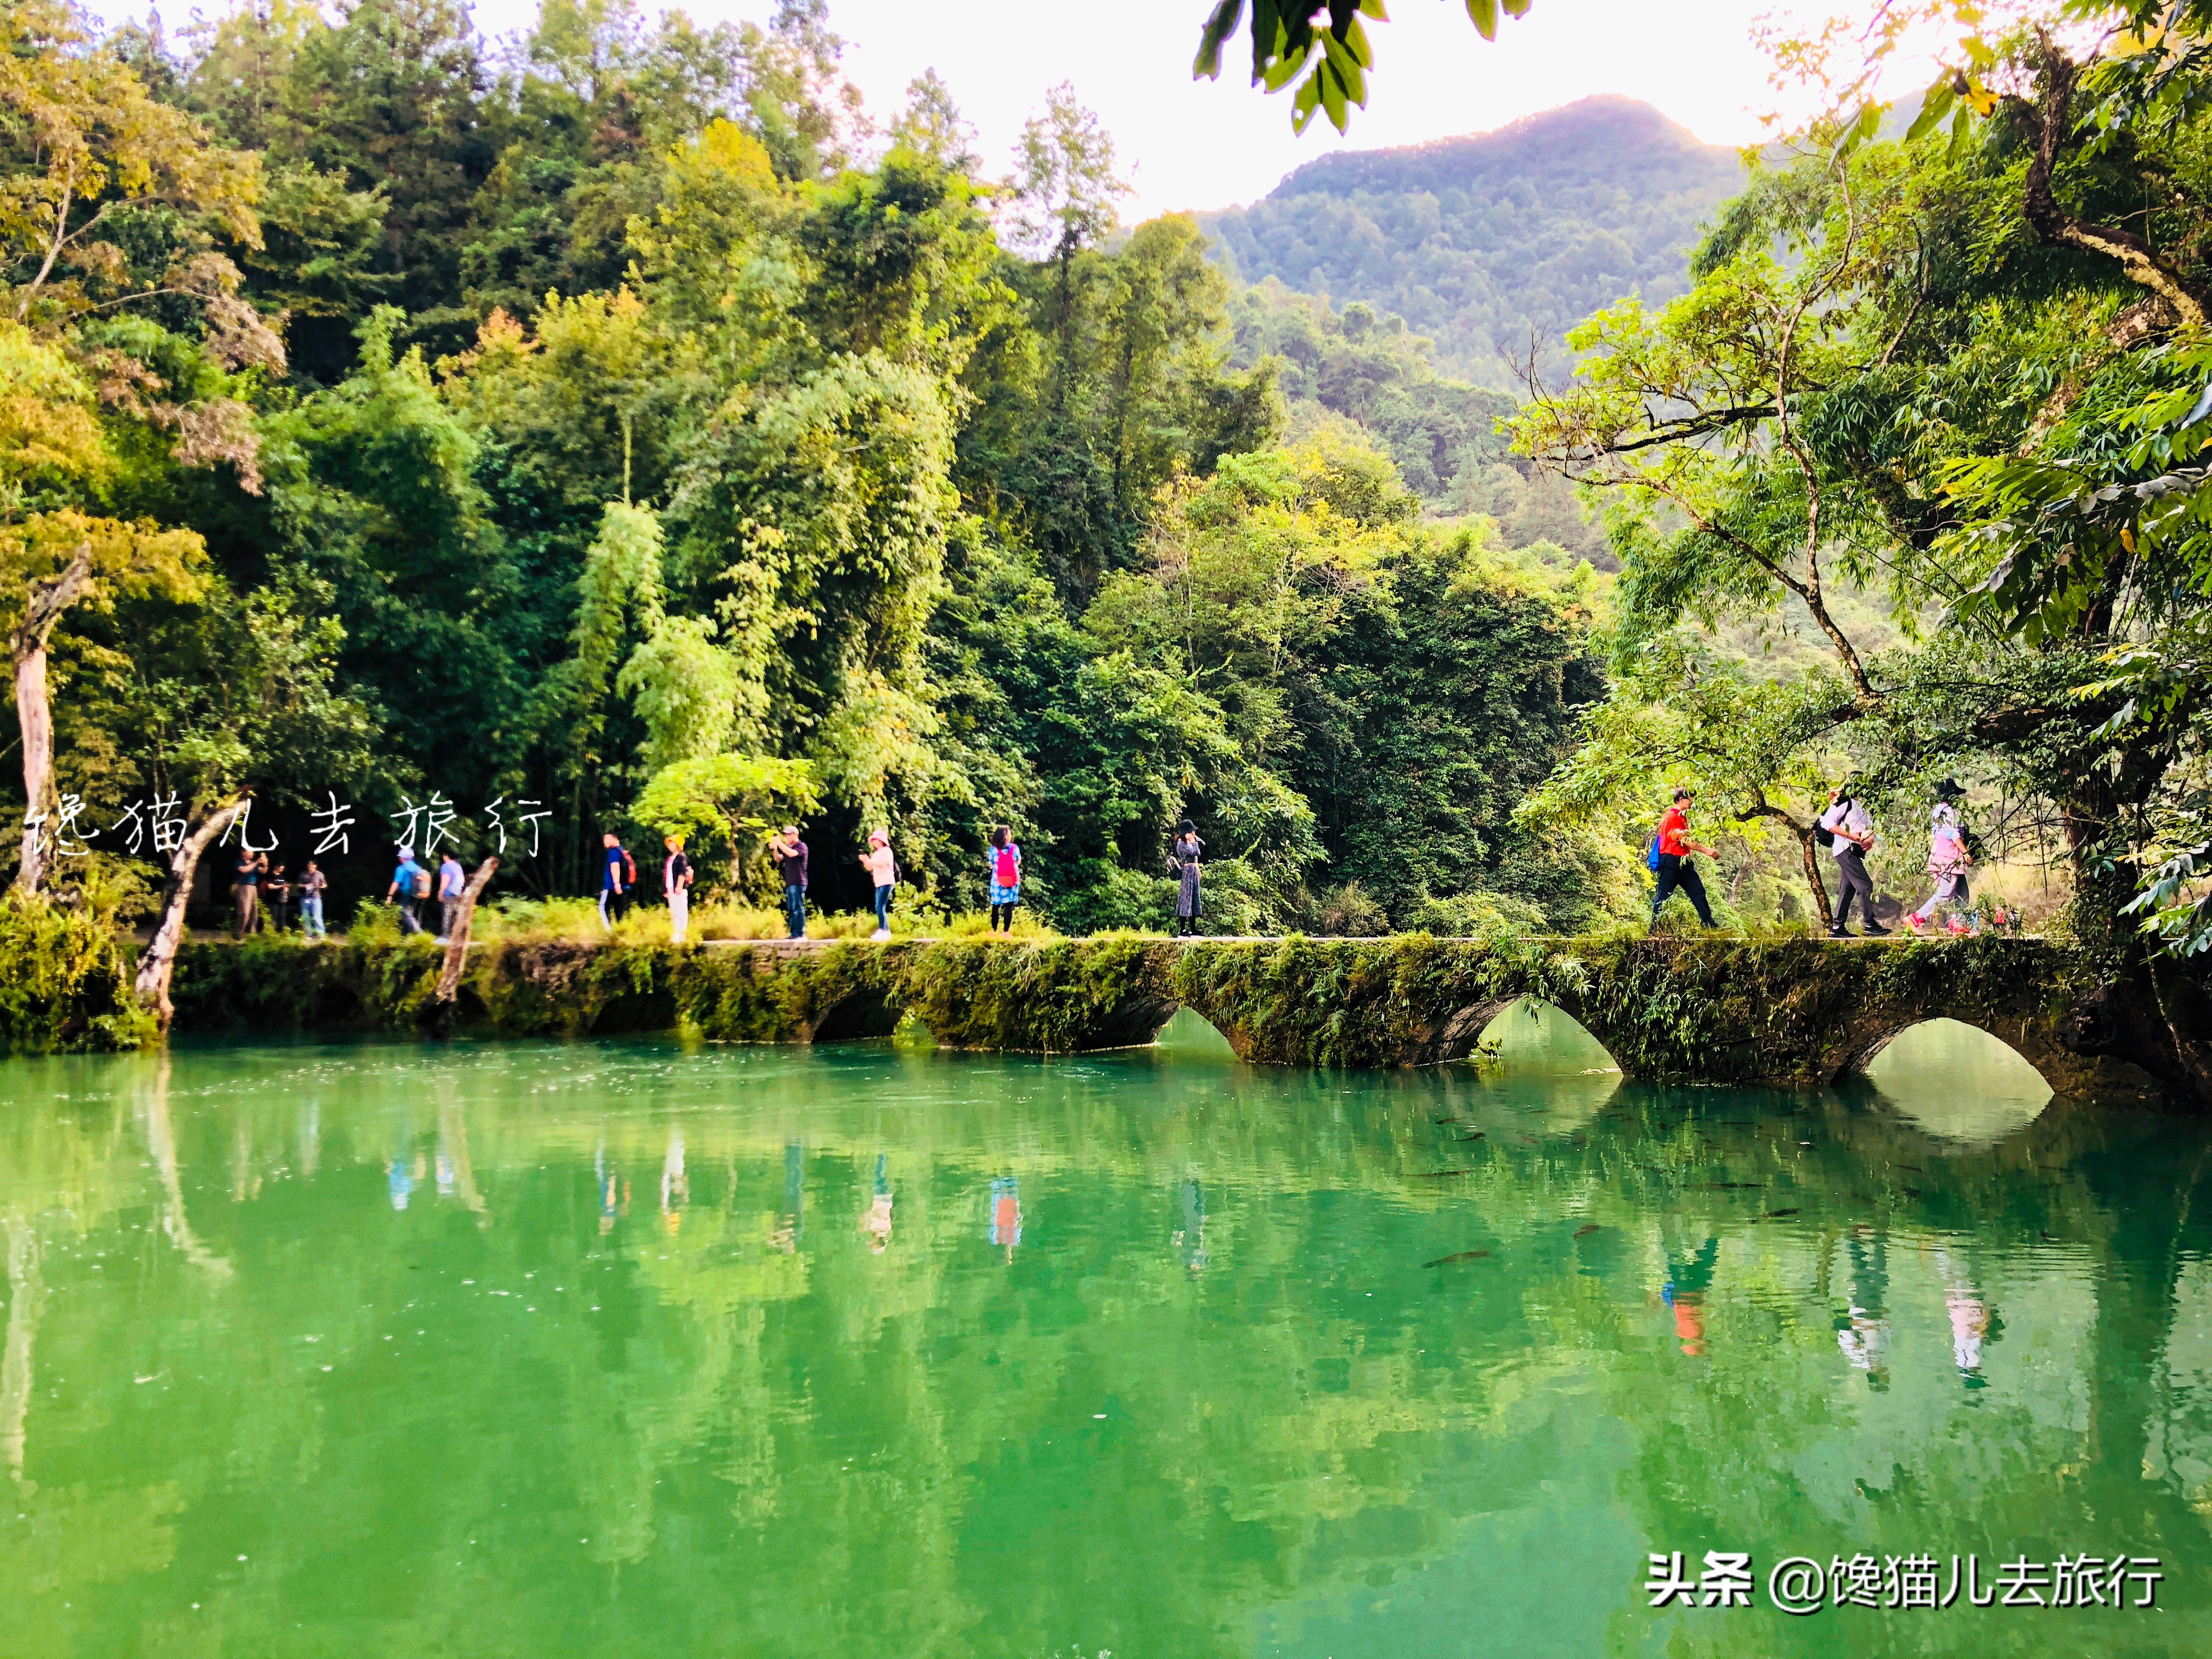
pixel 1529 1033
pixel 1189 1035
pixel 1958 1080
pixel 863 1013
pixel 1914 1043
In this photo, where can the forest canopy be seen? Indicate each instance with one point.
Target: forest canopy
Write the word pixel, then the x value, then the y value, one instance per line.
pixel 629 428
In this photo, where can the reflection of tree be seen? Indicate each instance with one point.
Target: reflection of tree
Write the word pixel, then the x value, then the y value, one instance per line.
pixel 26 1295
pixel 928 1450
pixel 453 1150
pixel 162 1141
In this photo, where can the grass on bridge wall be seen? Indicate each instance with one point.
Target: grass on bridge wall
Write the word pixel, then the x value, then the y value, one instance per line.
pixel 1714 1009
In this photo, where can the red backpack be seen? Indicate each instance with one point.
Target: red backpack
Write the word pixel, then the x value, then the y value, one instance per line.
pixel 1005 869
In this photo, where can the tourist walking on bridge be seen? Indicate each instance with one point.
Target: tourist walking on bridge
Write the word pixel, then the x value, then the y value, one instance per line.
pixel 1948 861
pixel 617 875
pixel 411 886
pixel 453 882
pixel 245 890
pixel 1005 875
pixel 314 884
pixel 883 871
pixel 790 854
pixel 1670 860
pixel 675 881
pixel 1848 832
pixel 1184 860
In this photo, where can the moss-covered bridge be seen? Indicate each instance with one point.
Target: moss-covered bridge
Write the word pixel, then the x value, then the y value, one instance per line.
pixel 1783 1012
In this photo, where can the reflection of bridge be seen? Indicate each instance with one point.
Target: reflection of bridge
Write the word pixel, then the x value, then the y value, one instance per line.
pixel 1792 1012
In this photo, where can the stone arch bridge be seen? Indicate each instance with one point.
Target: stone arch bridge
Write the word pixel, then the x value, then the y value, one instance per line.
pixel 1791 1013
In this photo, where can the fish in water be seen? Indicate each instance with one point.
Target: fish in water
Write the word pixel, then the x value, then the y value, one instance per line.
pixel 1431 1175
pixel 1776 1215
pixel 1586 1230
pixel 1477 1135
pixel 1915 1168
pixel 1733 1186
pixel 1462 1255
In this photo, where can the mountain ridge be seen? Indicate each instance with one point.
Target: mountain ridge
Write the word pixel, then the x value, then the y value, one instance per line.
pixel 1492 242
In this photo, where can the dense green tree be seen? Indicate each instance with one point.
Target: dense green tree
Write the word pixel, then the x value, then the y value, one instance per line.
pixel 661 437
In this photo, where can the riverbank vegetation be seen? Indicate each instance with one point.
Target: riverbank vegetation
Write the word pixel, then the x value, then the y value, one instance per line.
pixel 564 423
pixel 625 426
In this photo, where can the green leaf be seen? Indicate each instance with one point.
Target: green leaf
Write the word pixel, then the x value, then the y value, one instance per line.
pixel 1220 27
pixel 1933 105
pixel 1484 15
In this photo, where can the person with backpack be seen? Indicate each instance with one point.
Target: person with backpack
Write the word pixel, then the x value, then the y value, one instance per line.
pixel 1185 857
pixel 1005 877
pixel 1949 860
pixel 1846 830
pixel 453 882
pixel 790 854
pixel 411 886
pixel 882 870
pixel 1669 860
pixel 675 881
pixel 617 875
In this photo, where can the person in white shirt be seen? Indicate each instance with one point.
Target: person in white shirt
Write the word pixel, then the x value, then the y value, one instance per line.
pixel 1852 833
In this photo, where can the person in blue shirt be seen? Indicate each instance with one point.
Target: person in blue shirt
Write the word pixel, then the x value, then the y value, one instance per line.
pixel 453 882
pixel 411 886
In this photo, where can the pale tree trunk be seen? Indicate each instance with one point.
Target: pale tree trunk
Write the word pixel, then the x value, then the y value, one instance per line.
pixel 161 958
pixel 457 941
pixel 33 714
pixel 26 1295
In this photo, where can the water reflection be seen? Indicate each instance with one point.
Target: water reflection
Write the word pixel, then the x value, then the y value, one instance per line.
pixel 1958 1083
pixel 25 1299
pixel 1405 1328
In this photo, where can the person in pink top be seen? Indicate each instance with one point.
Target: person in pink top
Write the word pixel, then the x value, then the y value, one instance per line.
pixel 1948 863
pixel 882 870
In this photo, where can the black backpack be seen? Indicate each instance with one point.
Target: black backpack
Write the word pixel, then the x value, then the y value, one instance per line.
pixel 1823 835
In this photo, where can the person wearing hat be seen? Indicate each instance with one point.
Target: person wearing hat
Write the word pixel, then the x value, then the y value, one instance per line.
pixel 1948 861
pixel 883 871
pixel 675 881
pixel 1849 833
pixel 411 886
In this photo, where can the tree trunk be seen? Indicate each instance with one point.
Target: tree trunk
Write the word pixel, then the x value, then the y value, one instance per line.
pixel 457 941
pixel 36 721
pixel 155 967
pixel 1806 845
pixel 33 714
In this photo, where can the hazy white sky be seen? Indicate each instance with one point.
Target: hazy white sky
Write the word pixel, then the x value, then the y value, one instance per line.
pixel 1202 144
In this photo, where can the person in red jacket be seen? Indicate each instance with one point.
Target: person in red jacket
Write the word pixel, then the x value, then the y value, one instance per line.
pixel 1672 862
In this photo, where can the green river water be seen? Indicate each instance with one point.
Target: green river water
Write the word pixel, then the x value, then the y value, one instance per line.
pixel 643 1348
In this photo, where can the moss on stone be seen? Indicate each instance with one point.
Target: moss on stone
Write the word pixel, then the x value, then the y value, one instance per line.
pixel 1788 1012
